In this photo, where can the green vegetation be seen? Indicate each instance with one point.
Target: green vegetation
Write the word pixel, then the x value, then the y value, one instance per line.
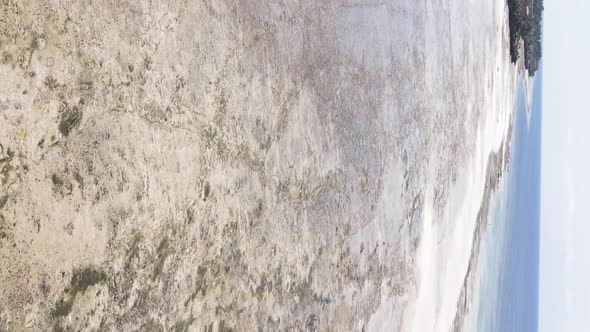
pixel 82 279
pixel 162 253
pixel 69 120
pixel 20 135
pixel 3 200
pixel 189 216
pixel 133 245
pixel 525 20
pixel 63 307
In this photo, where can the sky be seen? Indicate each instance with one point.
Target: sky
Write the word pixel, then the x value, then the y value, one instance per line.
pixel 564 277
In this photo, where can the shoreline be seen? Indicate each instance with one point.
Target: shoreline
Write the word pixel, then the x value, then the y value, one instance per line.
pixel 497 165
pixel 495 172
pixel 455 248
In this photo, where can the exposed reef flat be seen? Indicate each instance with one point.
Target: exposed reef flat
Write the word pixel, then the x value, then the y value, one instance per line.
pixel 244 165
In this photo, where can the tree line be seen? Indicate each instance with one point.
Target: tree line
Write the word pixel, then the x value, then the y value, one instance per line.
pixel 525 21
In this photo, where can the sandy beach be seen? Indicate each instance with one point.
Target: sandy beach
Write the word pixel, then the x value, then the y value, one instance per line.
pixel 247 165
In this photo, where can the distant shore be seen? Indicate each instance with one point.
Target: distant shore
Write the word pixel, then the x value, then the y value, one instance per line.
pixel 527 78
pixel 525 23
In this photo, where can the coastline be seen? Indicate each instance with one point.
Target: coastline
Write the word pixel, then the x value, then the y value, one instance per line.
pixel 470 213
pixel 497 164
pixel 330 164
pixel 450 247
pixel 496 167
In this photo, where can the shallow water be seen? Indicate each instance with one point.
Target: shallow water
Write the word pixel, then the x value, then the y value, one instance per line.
pixel 508 272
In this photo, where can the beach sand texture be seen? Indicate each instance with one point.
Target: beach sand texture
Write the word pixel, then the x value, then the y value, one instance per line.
pixel 275 165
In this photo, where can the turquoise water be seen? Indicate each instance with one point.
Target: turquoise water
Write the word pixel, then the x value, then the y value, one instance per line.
pixel 509 278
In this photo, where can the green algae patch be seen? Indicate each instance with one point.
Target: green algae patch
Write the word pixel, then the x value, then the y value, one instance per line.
pixel 162 253
pixel 68 121
pixel 62 307
pixel 82 279
pixel 133 245
pixel 3 200
pixel 190 217
pixel 20 135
